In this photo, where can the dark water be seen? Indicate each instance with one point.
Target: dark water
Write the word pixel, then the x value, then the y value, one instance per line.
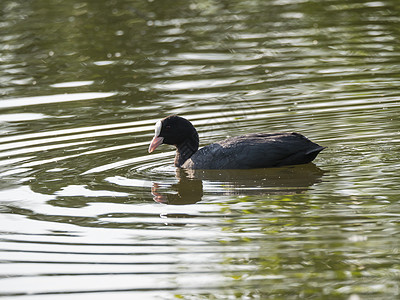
pixel 87 213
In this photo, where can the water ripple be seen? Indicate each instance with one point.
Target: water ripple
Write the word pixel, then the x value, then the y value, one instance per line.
pixel 87 212
pixel 39 100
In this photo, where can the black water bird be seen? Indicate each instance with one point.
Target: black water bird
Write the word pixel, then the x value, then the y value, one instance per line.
pixel 256 150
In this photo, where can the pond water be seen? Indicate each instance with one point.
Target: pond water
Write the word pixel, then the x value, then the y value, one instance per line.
pixel 87 213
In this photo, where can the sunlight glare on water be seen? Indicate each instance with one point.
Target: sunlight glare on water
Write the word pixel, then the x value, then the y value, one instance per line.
pixel 87 213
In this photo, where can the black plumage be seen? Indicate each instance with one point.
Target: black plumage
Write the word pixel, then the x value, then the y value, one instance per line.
pixel 258 150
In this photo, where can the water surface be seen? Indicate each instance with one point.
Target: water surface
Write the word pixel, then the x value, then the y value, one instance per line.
pixel 87 213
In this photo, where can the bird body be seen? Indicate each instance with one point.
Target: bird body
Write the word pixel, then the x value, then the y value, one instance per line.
pixel 251 151
pixel 258 150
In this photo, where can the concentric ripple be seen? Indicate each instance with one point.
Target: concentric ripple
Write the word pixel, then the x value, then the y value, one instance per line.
pixel 87 213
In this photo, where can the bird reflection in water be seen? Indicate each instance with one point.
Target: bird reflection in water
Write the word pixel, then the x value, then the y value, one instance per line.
pixel 272 181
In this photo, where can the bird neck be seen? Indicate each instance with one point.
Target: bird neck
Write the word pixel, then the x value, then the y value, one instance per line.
pixel 186 149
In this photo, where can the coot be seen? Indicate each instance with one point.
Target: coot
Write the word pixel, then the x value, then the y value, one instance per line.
pixel 256 150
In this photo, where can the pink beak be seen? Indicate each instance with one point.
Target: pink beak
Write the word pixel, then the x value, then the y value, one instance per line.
pixel 155 142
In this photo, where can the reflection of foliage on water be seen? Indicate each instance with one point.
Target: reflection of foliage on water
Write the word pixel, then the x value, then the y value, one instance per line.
pixel 328 69
pixel 297 244
pixel 230 114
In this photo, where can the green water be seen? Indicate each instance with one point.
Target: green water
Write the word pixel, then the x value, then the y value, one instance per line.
pixel 87 213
